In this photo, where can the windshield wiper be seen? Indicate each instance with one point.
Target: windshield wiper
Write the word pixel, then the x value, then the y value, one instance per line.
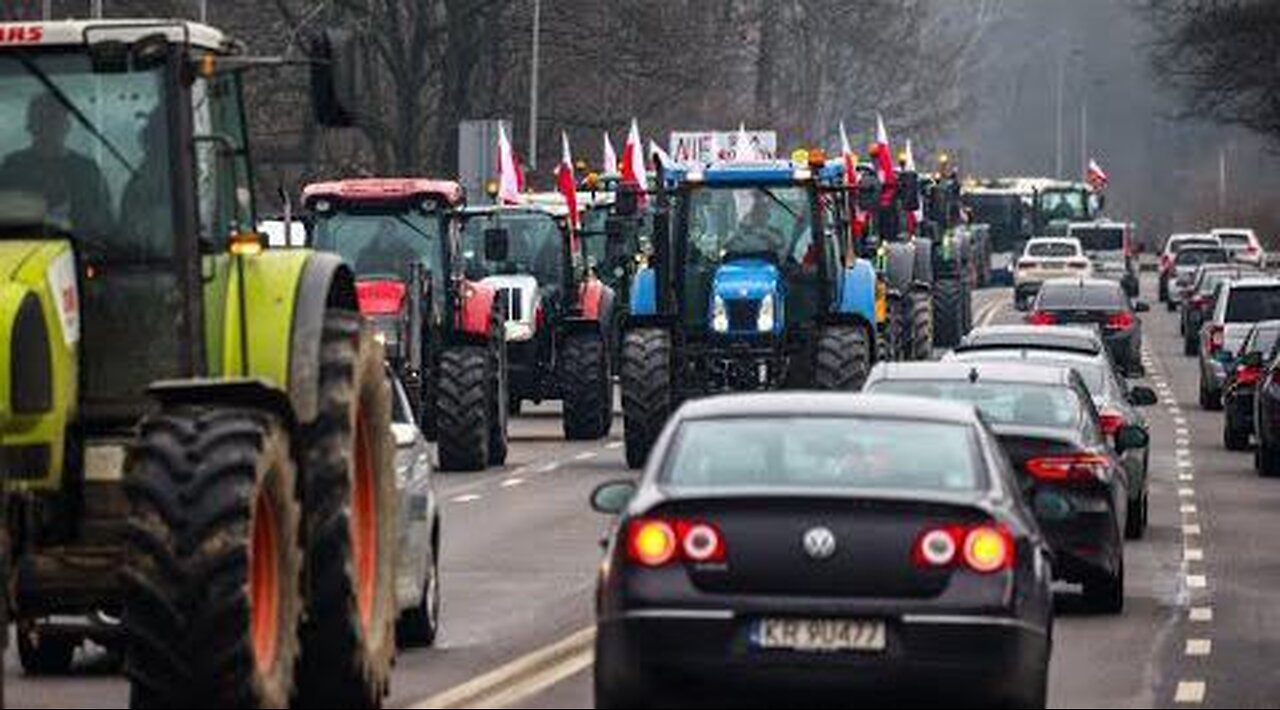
pixel 778 200
pixel 405 221
pixel 67 103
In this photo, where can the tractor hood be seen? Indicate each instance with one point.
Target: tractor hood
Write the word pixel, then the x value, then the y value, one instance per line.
pixel 519 294
pixel 747 298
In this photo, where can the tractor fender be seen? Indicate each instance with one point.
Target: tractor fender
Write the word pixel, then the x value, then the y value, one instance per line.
pixel 597 311
pixel 644 293
pixel 325 282
pixel 476 309
pixel 858 291
pixel 923 271
pixel 26 371
pixel 900 270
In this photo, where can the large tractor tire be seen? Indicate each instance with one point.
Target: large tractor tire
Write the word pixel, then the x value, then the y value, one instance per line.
pixel 43 654
pixel 949 313
pixel 921 323
pixel 900 327
pixel 588 388
pixel 348 464
pixel 646 390
pixel 499 395
pixel 213 566
pixel 843 358
pixel 463 408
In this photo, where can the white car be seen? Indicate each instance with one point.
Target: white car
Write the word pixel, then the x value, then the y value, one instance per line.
pixel 417 529
pixel 1242 244
pixel 1047 258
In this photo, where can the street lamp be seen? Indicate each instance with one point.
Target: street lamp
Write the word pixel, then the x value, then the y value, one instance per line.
pixel 533 88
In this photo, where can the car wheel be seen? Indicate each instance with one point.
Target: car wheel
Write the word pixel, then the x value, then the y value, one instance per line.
pixel 1170 305
pixel 1233 438
pixel 1189 346
pixel 1106 594
pixel 617 688
pixel 1135 525
pixel 1268 463
pixel 1208 400
pixel 419 626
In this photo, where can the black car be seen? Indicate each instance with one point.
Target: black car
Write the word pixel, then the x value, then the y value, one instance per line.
pixel 788 547
pixel 1068 469
pixel 1266 420
pixel 1099 302
pixel 1241 386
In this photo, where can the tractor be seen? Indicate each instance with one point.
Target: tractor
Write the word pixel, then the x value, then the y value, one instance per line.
pixel 196 431
pixel 443 334
pixel 746 289
pixel 558 313
pixel 957 258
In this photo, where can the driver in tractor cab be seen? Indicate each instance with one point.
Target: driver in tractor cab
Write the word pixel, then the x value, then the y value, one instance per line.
pixel 148 220
pixel 387 253
pixel 754 234
pixel 73 188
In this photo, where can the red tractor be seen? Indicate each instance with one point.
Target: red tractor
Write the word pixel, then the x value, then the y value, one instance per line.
pixel 443 333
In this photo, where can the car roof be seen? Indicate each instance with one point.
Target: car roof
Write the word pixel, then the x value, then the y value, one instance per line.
pixel 811 404
pixel 1042 337
pixel 1052 240
pixel 977 372
pixel 1031 353
pixel 1254 282
pixel 1083 283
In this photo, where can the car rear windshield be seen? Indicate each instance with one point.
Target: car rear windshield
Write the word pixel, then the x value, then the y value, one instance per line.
pixel 1016 403
pixel 823 453
pixel 1234 240
pixel 1051 249
pixel 1100 296
pixel 1178 245
pixel 1092 371
pixel 1196 257
pixel 1263 338
pixel 1100 238
pixel 1250 304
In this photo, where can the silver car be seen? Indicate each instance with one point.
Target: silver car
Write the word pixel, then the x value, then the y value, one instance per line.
pixel 1238 306
pixel 417 529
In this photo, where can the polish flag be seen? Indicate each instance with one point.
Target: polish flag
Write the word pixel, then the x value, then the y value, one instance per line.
pixel 856 218
pixel 633 168
pixel 569 188
pixel 916 216
pixel 610 164
pixel 884 164
pixel 1096 175
pixel 510 176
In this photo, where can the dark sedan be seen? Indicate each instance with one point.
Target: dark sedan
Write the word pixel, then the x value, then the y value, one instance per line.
pixel 787 548
pixel 1047 422
pixel 1100 302
pixel 1241 386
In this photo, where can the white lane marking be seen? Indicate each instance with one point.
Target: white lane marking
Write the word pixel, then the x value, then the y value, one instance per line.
pixel 1189 692
pixel 1200 614
pixel 613 445
pixel 1186 492
pixel 1192 529
pixel 586 456
pixel 548 468
pixel 1199 647
pixel 1186 477
pixel 512 482
pixel 1192 554
pixel 1197 581
pixel 520 678
pixel 1183 453
pixel 1180 421
pixel 1183 431
pixel 1185 463
pixel 467 498
pixel 1174 410
pixel 1188 508
pixel 1182 441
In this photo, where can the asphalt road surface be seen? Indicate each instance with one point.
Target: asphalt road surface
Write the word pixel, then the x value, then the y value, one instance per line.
pixel 1200 626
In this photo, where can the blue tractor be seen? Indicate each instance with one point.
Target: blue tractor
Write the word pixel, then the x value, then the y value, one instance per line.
pixel 745 288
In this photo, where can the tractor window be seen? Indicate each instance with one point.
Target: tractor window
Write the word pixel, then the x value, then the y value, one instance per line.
pixel 534 248
pixel 771 222
pixel 382 242
pixel 225 200
pixel 88 146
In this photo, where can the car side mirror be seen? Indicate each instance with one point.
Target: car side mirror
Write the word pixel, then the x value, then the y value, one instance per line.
pixel 613 497
pixel 497 244
pixel 337 73
pixel 1143 397
pixel 1131 437
pixel 1141 307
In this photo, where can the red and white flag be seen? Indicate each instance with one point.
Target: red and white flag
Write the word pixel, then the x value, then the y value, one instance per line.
pixel 916 216
pixel 884 164
pixel 569 188
pixel 1096 175
pixel 633 164
pixel 610 164
pixel 510 176
pixel 856 217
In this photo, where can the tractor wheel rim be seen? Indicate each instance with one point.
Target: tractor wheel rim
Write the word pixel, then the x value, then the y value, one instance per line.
pixel 364 524
pixel 264 583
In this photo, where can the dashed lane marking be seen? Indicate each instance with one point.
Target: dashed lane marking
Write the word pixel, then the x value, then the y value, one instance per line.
pixel 548 468
pixel 613 445
pixel 1189 692
pixel 1192 554
pixel 1200 614
pixel 585 456
pixel 1199 647
pixel 1192 529
pixel 1186 492
pixel 1187 508
pixel 467 498
pixel 1197 581
pixel 512 482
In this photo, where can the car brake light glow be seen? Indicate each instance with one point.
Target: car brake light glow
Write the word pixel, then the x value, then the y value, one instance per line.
pixel 651 543
pixel 1120 321
pixel 1248 376
pixel 1217 338
pixel 1199 300
pixel 1111 421
pixel 1042 318
pixel 1024 264
pixel 700 542
pixel 1070 468
pixel 980 548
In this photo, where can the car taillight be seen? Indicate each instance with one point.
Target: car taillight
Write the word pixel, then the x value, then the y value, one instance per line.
pixel 1217 338
pixel 1248 376
pixel 1199 301
pixel 980 548
pixel 1165 263
pixel 1042 318
pixel 1083 264
pixel 1071 468
pixel 1111 422
pixel 655 543
pixel 539 317
pixel 1120 321
pixel 1024 265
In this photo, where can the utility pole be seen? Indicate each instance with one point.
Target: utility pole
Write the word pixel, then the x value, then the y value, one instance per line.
pixel 533 87
pixel 95 9
pixel 46 10
pixel 204 11
pixel 1062 80
pixel 1222 184
pixel 1084 137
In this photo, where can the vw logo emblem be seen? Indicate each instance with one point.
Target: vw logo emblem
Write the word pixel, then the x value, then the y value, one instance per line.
pixel 820 543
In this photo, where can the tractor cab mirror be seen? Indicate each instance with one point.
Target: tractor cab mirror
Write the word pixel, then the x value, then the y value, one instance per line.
pixel 336 75
pixel 497 244
pixel 909 188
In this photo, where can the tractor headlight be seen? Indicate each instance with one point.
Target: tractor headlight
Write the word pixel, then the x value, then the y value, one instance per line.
pixel 765 319
pixel 719 315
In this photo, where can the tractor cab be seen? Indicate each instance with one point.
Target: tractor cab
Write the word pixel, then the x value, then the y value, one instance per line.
pixel 1059 204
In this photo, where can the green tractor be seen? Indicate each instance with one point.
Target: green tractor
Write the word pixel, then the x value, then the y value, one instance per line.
pixel 196 431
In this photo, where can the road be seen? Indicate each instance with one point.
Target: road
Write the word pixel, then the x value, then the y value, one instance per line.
pixel 521 546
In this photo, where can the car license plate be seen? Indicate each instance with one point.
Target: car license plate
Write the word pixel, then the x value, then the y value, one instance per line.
pixel 819 635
